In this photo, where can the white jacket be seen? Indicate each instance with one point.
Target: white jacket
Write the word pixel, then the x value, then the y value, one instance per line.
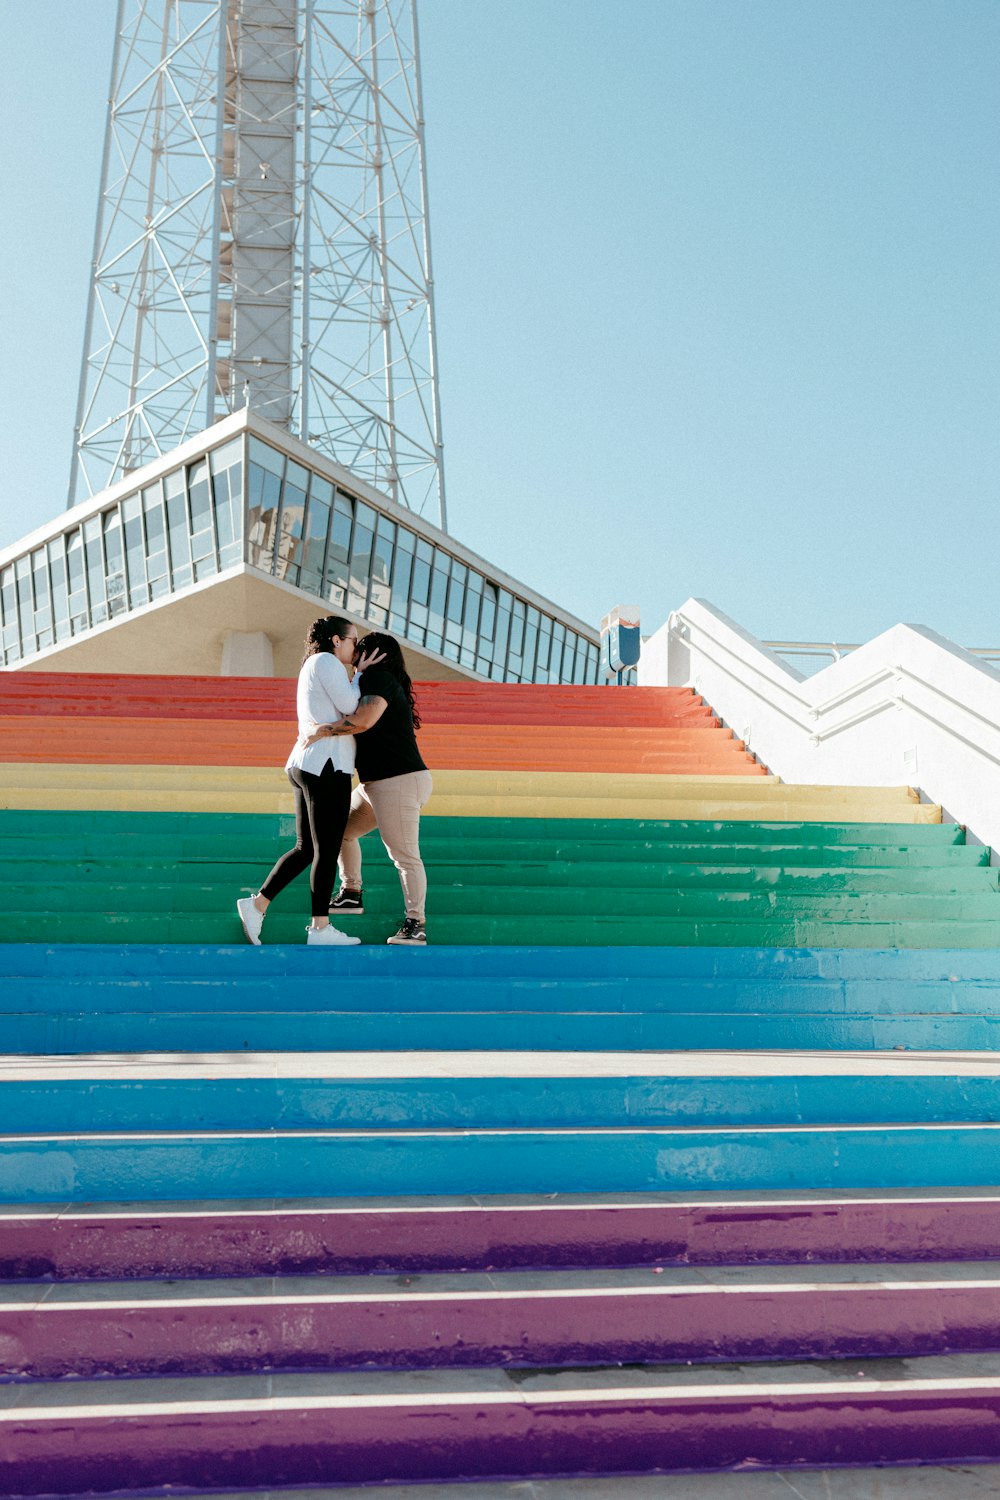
pixel 325 694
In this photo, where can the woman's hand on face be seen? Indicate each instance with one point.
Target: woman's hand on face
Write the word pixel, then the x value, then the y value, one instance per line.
pixel 370 659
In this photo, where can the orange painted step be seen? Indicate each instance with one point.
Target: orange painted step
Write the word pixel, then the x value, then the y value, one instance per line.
pixel 147 741
pixel 66 694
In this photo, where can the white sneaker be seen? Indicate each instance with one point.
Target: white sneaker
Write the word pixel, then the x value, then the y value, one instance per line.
pixel 328 937
pixel 252 919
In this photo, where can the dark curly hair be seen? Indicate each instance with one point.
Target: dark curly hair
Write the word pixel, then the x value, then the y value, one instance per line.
pixel 321 633
pixel 393 663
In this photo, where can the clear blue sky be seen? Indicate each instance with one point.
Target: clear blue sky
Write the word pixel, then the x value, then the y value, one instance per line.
pixel 718 291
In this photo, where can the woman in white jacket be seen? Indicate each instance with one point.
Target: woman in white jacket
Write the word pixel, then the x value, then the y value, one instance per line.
pixel 320 774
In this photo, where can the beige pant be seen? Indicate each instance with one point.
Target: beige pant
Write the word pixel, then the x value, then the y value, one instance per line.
pixel 393 807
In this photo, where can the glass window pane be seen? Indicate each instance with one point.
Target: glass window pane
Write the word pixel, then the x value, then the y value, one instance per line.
pixel 530 643
pixel 135 556
pixel 580 661
pixel 517 628
pixel 378 601
pixel 456 603
pixel 202 531
pixel 178 529
pixel 487 619
pixel 227 504
pixel 25 602
pixel 320 489
pixel 11 639
pixel 266 457
pixel 593 661
pixel 339 551
pixel 60 593
pixel 156 542
pixel 501 630
pixel 78 614
pixel 314 539
pixel 95 570
pixel 456 592
pixel 544 651
pixel 228 456
pixel 263 493
pixel 401 574
pixel 439 594
pixel 361 558
pixel 291 520
pixel 43 605
pixel 420 587
pixel 114 558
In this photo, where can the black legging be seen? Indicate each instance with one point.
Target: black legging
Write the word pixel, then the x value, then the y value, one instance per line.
pixel 322 807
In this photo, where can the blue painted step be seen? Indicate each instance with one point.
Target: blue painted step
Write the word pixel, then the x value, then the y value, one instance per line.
pixel 187 1165
pixel 95 998
pixel 90 1103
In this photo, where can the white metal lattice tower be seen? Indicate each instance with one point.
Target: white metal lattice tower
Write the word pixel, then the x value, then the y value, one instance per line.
pixel 262 239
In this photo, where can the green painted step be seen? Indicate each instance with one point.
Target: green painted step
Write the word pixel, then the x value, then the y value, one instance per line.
pixel 100 850
pixel 183 831
pixel 783 929
pixel 503 895
pixel 584 876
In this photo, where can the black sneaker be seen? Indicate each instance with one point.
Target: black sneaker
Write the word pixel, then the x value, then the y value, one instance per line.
pixel 411 932
pixel 347 902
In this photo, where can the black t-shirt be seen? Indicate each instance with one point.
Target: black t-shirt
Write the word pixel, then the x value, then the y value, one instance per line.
pixel 389 748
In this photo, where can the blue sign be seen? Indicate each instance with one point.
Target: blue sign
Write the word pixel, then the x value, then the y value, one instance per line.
pixel 621 640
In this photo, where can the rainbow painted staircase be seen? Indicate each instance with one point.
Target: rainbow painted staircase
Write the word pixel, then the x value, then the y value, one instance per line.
pixel 676 1150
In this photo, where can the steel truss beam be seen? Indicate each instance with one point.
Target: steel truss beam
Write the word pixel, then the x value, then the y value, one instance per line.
pixel 263 240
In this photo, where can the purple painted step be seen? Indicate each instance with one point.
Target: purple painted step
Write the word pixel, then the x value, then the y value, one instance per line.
pixel 117 1242
pixel 512 1319
pixel 268 1431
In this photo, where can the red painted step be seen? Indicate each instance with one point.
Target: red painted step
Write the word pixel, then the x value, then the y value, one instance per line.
pixel 37 694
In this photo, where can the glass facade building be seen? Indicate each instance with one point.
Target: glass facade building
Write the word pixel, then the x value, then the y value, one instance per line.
pixel 248 502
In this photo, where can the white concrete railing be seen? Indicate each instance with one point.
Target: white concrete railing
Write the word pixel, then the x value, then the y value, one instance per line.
pixel 834 650
pixel 907 708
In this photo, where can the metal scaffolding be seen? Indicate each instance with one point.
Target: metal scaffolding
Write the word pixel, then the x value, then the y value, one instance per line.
pixel 262 240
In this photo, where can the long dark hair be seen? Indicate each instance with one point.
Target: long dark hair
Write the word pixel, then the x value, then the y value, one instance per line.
pixel 321 633
pixel 393 663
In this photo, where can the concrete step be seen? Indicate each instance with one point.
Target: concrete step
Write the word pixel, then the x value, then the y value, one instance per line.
pixel 526 881
pixel 210 992
pixel 191 1164
pixel 848 898
pixel 332 1028
pixel 476 793
pixel 132 853
pixel 930 1482
pixel 61 1438
pixel 701 751
pixel 68 694
pixel 188 834
pixel 500 1319
pixel 723 921
pixel 491 1090
pixel 709 970
pixel 406 1236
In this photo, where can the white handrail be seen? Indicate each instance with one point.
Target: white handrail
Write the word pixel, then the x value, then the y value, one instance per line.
pixel 918 707
pixel 836 649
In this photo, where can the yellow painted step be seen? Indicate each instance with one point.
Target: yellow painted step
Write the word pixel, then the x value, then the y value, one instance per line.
pixel 464 794
pixel 707 808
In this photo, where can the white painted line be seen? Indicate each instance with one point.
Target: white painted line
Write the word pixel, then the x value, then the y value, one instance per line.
pixel 738 1393
pixel 175 1213
pixel 533 1294
pixel 333 1066
pixel 363 1134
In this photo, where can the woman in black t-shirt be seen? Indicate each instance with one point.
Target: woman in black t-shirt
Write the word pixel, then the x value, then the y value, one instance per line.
pixel 395 784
